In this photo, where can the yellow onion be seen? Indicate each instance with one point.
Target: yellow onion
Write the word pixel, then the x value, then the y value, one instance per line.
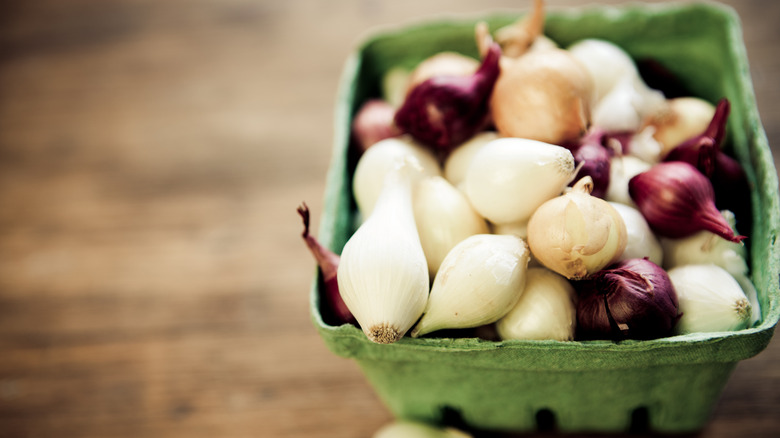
pixel 542 95
pixel 577 234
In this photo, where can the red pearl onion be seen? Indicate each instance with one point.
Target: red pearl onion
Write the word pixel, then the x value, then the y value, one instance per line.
pixel 702 150
pixel 372 123
pixel 632 299
pixel 658 77
pixel 593 159
pixel 726 174
pixel 444 111
pixel 619 142
pixel 677 200
pixel 328 261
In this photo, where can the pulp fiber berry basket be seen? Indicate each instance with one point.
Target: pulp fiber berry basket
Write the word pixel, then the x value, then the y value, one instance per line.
pixel 670 384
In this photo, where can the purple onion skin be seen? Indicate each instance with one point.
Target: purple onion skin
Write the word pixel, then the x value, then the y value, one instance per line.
pixel 717 127
pixel 445 111
pixel 334 309
pixel 621 140
pixel 702 151
pixel 732 192
pixel 726 174
pixel 632 299
pixel 677 201
pixel 594 160
pixel 658 77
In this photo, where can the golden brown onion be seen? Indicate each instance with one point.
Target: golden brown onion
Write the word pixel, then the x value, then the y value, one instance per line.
pixel 542 96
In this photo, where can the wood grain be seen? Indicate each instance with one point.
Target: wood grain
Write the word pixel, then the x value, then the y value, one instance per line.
pixel 152 278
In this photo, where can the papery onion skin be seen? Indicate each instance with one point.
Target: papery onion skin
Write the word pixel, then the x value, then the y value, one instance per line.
pixel 577 234
pixel 632 299
pixel 518 37
pixel 677 200
pixel 444 111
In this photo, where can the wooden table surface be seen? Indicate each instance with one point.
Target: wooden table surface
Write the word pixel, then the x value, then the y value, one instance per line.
pixel 152 278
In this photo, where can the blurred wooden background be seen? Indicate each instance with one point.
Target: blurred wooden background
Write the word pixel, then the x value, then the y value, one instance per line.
pixel 152 278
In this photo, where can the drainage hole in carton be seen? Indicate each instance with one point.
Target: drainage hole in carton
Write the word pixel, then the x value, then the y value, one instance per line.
pixel 640 420
pixel 451 417
pixel 545 420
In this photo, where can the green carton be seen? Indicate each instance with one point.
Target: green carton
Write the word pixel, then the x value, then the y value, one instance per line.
pixel 670 384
